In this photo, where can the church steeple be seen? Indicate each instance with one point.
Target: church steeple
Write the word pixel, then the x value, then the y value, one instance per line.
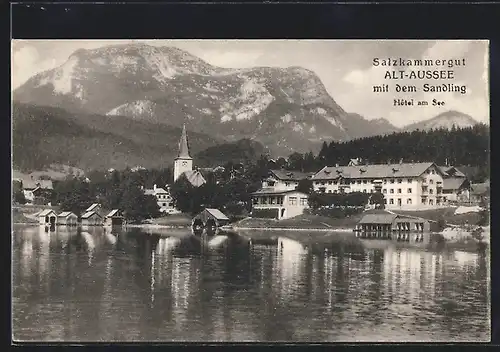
pixel 183 145
pixel 183 162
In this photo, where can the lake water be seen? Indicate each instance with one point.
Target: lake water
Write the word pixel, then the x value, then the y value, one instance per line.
pixel 93 285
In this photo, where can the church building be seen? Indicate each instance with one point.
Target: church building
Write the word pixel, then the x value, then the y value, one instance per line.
pixel 183 164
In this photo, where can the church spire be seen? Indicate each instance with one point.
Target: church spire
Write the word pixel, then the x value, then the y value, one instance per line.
pixel 183 145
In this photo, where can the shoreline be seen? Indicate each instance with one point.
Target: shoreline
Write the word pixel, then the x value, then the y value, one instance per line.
pixel 343 230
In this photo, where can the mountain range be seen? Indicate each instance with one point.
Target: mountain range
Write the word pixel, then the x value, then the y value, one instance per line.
pixel 128 102
pixel 446 120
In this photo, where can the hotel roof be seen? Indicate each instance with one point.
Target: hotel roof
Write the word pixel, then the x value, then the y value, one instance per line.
pixel 373 171
pixel 286 175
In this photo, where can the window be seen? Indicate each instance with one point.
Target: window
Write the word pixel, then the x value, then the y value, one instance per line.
pixel 410 180
pixel 385 182
pixel 287 184
pixel 329 191
pixel 365 182
pixel 428 172
pixel 391 190
pixel 335 182
pixel 164 204
pixel 433 172
pixel 280 200
pixel 364 191
pixel 317 183
pixel 371 191
pixel 424 201
pixel 264 200
pixel 431 202
pixel 273 200
pixel 384 191
pixel 431 182
pixel 392 180
pixel 431 191
pixel 444 199
pixel 408 201
pixel 409 190
pixel 400 180
pixel 330 182
pixel 322 189
pixel 399 190
pixel 385 201
pixel 170 204
pixel 322 183
pixel 292 201
pixel 303 201
pixel 391 201
pixel 353 182
pixel 359 182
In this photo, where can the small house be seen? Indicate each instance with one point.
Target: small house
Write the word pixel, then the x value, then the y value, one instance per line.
pixel 278 204
pixel 114 218
pixel 47 217
pixel 67 218
pixel 210 218
pixel 91 218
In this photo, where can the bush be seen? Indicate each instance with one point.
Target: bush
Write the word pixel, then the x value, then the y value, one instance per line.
pixel 265 213
pixel 354 199
pixel 336 212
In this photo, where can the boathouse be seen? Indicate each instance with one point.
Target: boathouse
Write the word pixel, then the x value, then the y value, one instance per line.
pixel 209 217
pixel 91 218
pixel 392 222
pixel 67 218
pixel 47 217
pixel 114 218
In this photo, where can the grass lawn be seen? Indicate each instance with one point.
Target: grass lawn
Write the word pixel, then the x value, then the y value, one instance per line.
pixel 448 214
pixel 173 220
pixel 302 222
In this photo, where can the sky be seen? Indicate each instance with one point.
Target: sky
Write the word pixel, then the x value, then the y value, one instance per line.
pixel 344 66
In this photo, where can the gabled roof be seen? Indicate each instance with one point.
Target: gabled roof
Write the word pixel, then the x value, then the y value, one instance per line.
pixel 480 188
pixel 454 182
pixel 216 213
pixel 272 191
pixel 451 171
pixel 378 219
pixel 195 177
pixel 373 171
pixel 32 184
pixel 65 214
pixel 46 212
pixel 114 212
pixel 286 175
pixel 88 214
pixel 149 192
pixel 92 207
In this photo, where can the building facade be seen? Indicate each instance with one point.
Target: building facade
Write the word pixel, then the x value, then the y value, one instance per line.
pixel 278 204
pixel 404 185
pixel 163 198
pixel 284 180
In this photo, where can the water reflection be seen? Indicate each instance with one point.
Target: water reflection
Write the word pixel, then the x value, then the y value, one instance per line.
pixel 95 285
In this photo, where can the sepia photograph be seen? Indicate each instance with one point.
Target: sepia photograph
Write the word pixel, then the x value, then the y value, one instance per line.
pixel 250 191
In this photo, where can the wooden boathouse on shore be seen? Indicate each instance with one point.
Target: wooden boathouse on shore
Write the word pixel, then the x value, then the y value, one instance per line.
pixel 391 223
pixel 47 217
pixel 114 218
pixel 91 218
pixel 210 218
pixel 67 218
